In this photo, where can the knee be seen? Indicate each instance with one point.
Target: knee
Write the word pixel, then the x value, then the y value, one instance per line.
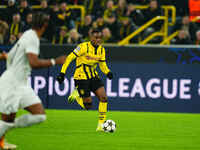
pixel 41 118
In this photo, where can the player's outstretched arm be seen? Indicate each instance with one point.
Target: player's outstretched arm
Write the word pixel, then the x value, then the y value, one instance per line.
pixel 69 59
pixel 104 68
pixel 3 56
pixel 35 62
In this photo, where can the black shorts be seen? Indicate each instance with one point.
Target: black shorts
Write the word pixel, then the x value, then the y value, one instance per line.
pixel 84 87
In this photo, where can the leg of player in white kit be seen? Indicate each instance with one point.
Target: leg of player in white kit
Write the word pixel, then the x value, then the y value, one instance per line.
pixel 6 123
pixel 37 116
pixel 4 126
pixel 28 120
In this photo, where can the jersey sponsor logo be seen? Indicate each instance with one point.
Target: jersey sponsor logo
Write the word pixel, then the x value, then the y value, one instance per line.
pixel 92 58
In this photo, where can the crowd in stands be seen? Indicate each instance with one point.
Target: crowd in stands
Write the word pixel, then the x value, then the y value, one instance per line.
pixel 116 18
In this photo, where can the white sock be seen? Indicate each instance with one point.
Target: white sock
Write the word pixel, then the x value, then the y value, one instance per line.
pixel 4 126
pixel 28 120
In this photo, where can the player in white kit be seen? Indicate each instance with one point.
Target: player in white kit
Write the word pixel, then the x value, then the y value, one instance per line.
pixel 15 92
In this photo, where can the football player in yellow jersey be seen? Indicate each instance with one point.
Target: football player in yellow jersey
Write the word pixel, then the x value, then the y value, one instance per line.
pixel 88 55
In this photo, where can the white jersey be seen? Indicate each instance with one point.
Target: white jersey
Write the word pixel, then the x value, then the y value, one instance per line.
pixel 17 61
pixel 15 92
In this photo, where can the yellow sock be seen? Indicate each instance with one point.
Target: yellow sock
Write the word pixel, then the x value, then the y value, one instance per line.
pixel 102 111
pixel 80 102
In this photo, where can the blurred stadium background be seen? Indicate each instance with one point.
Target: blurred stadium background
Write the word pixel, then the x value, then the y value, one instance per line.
pixel 152 48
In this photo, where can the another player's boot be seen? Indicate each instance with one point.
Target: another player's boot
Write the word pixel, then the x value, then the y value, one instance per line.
pixel 4 145
pixel 74 96
pixel 9 146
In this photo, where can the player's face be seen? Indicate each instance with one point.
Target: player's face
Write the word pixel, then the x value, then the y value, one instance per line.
pixel 96 38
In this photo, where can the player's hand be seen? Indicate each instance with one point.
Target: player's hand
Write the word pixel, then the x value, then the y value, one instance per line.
pixel 109 75
pixel 60 60
pixel 60 78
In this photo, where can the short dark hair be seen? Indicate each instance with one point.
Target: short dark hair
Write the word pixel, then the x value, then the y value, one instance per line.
pixel 95 30
pixel 153 0
pixel 39 19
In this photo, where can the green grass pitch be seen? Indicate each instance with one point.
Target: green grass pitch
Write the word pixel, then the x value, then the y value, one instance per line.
pixel 75 130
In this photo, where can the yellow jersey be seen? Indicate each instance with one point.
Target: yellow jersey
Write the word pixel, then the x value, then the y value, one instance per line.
pixel 87 59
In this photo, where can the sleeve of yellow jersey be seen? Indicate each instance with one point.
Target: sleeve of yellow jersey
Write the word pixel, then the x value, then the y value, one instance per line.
pixel 78 51
pixel 102 63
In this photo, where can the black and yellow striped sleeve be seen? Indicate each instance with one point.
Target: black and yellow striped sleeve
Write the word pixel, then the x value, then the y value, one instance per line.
pixel 78 51
pixel 68 60
pixel 102 63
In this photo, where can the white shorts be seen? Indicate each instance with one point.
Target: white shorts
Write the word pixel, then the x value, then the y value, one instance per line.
pixel 15 95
